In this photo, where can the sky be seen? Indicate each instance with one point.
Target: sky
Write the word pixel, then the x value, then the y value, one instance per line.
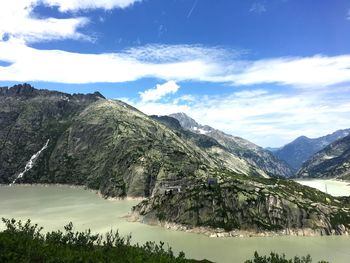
pixel 266 70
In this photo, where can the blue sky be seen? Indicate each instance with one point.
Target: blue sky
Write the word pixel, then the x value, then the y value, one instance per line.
pixel 268 71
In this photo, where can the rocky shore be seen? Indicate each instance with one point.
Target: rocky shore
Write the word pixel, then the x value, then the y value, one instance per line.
pixel 221 233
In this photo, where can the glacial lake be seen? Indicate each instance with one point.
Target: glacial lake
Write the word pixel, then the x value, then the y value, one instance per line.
pixel 55 206
pixel 330 186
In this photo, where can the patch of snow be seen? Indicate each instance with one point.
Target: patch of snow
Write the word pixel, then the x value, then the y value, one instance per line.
pixel 201 131
pixel 328 157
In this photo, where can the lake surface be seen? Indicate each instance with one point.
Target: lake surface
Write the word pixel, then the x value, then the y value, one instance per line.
pixel 55 206
pixel 330 186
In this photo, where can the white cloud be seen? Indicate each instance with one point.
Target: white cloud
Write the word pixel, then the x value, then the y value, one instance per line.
pixel 159 91
pixel 175 53
pixel 75 5
pixel 348 15
pixel 29 64
pixel 17 19
pixel 258 8
pixel 172 62
pixel 306 71
pixel 268 119
pixel 250 93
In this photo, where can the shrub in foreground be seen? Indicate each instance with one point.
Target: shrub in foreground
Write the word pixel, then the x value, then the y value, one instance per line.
pixel 276 258
pixel 24 242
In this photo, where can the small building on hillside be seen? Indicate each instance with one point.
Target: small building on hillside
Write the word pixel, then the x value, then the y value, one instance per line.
pixel 212 181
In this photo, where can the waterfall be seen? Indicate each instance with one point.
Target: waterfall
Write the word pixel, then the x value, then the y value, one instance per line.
pixel 31 162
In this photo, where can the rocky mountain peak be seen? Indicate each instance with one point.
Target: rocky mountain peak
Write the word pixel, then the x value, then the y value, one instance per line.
pixel 186 121
pixel 26 90
pixel 237 146
pixel 18 90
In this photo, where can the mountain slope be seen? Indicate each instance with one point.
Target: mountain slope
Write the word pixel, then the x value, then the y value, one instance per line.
pixel 253 154
pixel 333 161
pixel 105 145
pixel 213 148
pixel 302 148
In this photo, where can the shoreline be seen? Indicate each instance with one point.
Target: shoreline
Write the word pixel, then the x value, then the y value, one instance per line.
pixel 336 187
pixel 82 187
pixel 324 179
pixel 221 233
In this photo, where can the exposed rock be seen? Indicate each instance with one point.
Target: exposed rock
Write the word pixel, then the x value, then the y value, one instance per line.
pixel 234 204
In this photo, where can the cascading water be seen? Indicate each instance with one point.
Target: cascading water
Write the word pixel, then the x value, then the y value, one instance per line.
pixel 31 162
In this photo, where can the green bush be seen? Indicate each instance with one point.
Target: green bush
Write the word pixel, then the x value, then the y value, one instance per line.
pixel 25 243
pixel 276 258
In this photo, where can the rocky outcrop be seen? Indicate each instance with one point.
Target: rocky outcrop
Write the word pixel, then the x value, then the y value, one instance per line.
pixel 331 162
pixel 237 203
pixel 241 148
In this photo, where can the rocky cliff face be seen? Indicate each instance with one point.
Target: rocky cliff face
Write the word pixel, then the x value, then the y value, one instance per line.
pixel 28 118
pixel 243 149
pixel 331 162
pixel 255 205
pixel 303 148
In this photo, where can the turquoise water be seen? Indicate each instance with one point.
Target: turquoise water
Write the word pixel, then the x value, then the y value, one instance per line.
pixel 55 206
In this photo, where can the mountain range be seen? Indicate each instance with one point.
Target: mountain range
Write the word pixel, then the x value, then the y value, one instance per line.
pixel 187 178
pixel 303 148
pixel 331 162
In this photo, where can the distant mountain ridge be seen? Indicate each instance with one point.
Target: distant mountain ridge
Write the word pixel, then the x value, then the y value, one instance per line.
pixel 303 148
pixel 240 147
pixel 331 162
